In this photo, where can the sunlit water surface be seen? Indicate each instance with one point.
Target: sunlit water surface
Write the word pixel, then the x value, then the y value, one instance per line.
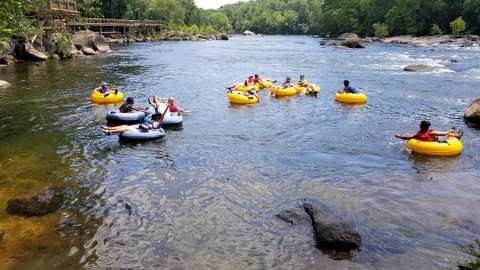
pixel 206 196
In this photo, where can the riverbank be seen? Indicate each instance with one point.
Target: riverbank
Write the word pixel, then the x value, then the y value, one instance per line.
pixel 85 43
pixel 352 40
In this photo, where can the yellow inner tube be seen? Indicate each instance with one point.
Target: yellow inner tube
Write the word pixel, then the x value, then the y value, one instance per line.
pixel 283 92
pixel 316 89
pixel 98 97
pixel 351 98
pixel 266 84
pixel 243 88
pixel 239 97
pixel 452 147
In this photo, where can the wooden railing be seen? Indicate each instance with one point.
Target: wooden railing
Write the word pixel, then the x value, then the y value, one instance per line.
pixel 115 22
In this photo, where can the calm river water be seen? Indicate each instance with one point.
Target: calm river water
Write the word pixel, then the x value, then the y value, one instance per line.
pixel 205 197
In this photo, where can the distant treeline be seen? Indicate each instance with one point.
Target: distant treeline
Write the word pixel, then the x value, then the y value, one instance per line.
pixel 364 17
pixel 327 17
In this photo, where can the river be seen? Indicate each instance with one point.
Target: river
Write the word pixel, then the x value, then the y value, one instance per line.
pixel 206 196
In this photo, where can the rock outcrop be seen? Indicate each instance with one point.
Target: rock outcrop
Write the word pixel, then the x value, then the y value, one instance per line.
pixel 249 33
pixel 346 40
pixel 418 68
pixel 47 201
pixel 331 234
pixel 472 114
pixel 92 40
pixel 4 84
pixel 26 51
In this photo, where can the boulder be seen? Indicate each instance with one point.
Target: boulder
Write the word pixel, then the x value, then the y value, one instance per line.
pixel 88 51
pixel 330 233
pixel 4 84
pixel 418 68
pixel 248 33
pixel 348 36
pixel 28 52
pixel 9 59
pixel 89 39
pixel 354 43
pixel 222 36
pixel 472 114
pixel 6 49
pixel 47 201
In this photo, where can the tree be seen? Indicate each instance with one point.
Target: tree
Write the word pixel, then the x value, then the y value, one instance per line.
pixel 458 26
pixel 381 30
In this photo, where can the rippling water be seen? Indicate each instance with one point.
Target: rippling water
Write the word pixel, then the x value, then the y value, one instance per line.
pixel 205 197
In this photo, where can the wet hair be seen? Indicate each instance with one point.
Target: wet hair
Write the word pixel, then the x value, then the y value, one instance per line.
pixel 302 76
pixel 287 79
pixel 157 116
pixel 170 99
pixel 256 76
pixel 245 83
pixel 103 84
pixel 425 125
pixel 130 100
pixel 346 83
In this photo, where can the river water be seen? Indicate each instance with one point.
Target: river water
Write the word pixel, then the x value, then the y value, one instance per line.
pixel 206 196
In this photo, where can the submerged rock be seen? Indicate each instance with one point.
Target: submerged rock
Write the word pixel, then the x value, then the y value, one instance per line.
pixel 294 216
pixel 473 112
pixel 4 84
pixel 418 68
pixel 47 201
pixel 332 235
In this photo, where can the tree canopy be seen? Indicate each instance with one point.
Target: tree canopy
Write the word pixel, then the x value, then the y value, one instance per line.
pixel 365 17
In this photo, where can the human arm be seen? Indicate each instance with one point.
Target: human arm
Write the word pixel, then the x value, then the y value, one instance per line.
pixel 441 133
pixel 405 136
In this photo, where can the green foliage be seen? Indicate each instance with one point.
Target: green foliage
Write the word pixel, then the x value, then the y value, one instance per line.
pixel 436 30
pixel 458 26
pixel 473 253
pixel 333 17
pixel 381 30
pixel 64 43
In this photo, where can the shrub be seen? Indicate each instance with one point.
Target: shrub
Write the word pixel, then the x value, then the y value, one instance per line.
pixel 458 26
pixel 436 30
pixel 381 30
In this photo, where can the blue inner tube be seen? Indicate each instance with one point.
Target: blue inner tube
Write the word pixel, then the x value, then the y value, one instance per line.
pixel 117 116
pixel 171 119
pixel 139 135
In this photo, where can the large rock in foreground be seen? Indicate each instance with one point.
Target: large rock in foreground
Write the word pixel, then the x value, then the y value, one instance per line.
pixel 418 68
pixel 89 39
pixel 47 201
pixel 473 112
pixel 331 234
